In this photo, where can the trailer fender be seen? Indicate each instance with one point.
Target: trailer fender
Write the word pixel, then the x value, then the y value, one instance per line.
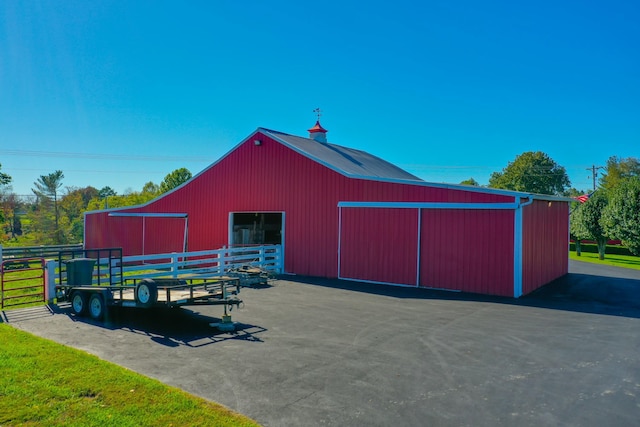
pixel 146 293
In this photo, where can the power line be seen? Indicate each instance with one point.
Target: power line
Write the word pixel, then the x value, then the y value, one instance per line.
pixel 62 154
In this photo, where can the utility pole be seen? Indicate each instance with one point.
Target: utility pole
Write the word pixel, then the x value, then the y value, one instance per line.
pixel 594 174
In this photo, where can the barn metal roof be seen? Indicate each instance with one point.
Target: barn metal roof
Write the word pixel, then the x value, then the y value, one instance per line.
pixel 347 161
pixel 360 164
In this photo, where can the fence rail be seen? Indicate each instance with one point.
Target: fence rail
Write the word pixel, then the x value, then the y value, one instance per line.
pixel 219 262
pixel 212 262
pixel 215 262
pixel 43 251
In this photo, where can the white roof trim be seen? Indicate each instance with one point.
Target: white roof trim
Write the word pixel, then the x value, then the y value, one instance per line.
pixel 428 205
pixel 150 214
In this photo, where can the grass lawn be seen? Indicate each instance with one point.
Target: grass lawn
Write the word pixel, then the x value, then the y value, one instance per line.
pixel 625 261
pixel 48 384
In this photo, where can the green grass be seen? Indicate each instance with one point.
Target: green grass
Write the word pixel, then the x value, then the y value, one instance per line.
pixel 47 384
pixel 625 261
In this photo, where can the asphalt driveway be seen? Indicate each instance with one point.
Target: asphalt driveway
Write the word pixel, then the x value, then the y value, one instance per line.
pixel 312 352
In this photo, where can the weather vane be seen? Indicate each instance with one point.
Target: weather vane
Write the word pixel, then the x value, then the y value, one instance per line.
pixel 318 112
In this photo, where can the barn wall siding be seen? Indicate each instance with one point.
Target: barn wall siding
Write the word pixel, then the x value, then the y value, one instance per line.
pixel 272 177
pixel 379 245
pixel 545 240
pixel 467 250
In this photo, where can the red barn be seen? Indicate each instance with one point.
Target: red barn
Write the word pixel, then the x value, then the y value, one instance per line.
pixel 341 212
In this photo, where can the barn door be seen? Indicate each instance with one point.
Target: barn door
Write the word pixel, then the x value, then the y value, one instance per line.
pixel 379 245
pixel 256 228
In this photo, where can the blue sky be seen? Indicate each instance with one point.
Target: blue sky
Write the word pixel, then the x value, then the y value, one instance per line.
pixel 120 93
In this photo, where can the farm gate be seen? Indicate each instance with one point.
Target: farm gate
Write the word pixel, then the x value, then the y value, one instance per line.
pixel 23 282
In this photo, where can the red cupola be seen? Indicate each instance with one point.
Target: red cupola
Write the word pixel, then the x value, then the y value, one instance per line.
pixel 318 133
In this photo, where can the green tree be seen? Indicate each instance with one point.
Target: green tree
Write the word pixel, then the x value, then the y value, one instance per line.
pixel 575 213
pixel 621 217
pixel 586 221
pixel 11 205
pixel 577 231
pixel 46 188
pixel 72 206
pixel 618 170
pixel 104 194
pixel 470 181
pixel 175 179
pixel 532 172
pixel 131 198
pixel 4 182
pixel 4 178
pixel 151 188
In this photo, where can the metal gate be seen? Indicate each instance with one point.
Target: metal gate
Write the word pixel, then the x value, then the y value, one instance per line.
pixel 23 282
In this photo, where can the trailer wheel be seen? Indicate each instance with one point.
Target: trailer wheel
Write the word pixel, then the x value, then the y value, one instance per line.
pixel 96 306
pixel 79 303
pixel 146 293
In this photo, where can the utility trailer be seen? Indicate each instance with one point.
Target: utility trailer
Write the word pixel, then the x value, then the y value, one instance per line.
pixel 91 293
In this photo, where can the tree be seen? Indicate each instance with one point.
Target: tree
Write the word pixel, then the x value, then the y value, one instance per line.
pixel 72 205
pixel 11 204
pixel 151 188
pixel 586 224
pixel 4 181
pixel 618 170
pixel 577 231
pixel 175 179
pixel 103 194
pixel 4 178
pixel 621 217
pixel 532 172
pixel 106 192
pixel 47 187
pixel 129 198
pixel 470 181
pixel 574 233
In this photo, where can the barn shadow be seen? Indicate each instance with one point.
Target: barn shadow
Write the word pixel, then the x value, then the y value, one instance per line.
pixel 585 293
pixel 168 327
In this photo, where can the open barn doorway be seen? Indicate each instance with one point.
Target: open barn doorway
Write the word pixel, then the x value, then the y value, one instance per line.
pixel 256 228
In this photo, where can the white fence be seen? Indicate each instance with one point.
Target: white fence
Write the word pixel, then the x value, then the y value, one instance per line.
pixel 211 263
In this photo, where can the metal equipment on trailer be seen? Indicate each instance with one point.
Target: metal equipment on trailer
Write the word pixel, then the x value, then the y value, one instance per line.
pixel 250 275
pixel 92 280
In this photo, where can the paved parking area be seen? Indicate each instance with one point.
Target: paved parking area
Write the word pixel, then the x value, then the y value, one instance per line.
pixel 319 352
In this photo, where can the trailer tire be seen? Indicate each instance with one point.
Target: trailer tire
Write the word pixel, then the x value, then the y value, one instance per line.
pixel 96 306
pixel 146 293
pixel 79 303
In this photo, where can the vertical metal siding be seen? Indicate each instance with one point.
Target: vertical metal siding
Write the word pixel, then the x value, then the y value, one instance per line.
pixel 467 250
pixel 169 239
pixel 545 254
pixel 102 231
pixel 379 245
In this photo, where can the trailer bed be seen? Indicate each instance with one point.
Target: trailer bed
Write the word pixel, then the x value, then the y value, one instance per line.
pixel 185 289
pixel 170 292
